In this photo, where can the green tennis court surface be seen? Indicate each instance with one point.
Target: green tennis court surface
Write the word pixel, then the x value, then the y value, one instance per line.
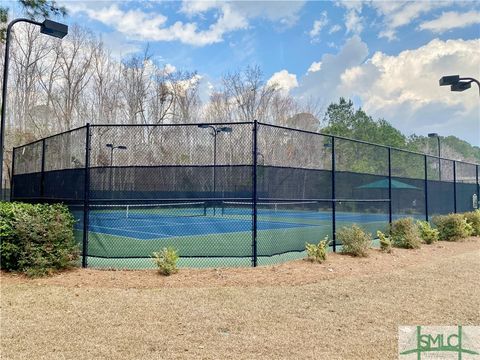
pixel 219 235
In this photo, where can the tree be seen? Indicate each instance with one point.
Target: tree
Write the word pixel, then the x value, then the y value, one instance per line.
pixel 343 119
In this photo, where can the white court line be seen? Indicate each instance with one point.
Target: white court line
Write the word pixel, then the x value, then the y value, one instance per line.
pixel 220 220
pixel 135 231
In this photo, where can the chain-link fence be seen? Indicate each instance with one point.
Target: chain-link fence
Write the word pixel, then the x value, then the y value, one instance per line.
pixel 233 194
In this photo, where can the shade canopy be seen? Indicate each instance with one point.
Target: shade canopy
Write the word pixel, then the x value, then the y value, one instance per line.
pixel 383 184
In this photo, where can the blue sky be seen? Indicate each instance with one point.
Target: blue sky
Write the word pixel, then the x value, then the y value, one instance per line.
pixel 387 56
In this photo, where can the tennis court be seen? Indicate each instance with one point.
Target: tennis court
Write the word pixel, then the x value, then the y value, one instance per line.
pixel 229 194
pixel 216 232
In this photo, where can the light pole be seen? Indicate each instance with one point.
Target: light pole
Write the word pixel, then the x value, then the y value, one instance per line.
pixel 435 135
pixel 214 133
pixel 112 148
pixel 458 83
pixel 47 27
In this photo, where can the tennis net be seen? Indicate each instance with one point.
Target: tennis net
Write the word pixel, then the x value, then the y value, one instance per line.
pixel 238 207
pixel 146 211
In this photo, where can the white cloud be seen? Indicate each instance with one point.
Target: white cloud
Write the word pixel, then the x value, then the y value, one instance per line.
pixel 283 80
pixel 153 26
pixel 318 25
pixel 315 66
pixel 403 89
pixel 451 20
pixel 323 82
pixel 353 22
pixel 397 13
pixel 335 28
pixel 169 69
pixel 118 46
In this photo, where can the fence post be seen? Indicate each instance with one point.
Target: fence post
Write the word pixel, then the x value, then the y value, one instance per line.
pixel 426 187
pixel 390 185
pixel 86 197
pixel 13 174
pixel 478 187
pixel 42 173
pixel 254 195
pixel 454 186
pixel 334 223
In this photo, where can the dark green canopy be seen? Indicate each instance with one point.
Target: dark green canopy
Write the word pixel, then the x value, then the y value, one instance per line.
pixel 383 184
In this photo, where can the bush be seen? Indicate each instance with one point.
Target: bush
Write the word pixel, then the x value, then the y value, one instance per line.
pixel 317 253
pixel 404 234
pixel 355 241
pixel 473 218
pixel 427 233
pixel 36 239
pixel 166 261
pixel 452 227
pixel 385 242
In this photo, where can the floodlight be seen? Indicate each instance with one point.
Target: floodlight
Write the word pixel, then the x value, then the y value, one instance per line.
pixel 53 28
pixel 460 86
pixel 449 80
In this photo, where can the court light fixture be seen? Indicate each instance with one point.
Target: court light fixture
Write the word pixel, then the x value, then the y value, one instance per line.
pixel 53 28
pixel 460 86
pixel 449 80
pixel 457 83
pixel 226 129
pixel 47 27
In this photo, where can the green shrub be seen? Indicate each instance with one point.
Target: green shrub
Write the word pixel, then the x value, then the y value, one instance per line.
pixel 355 241
pixel 166 261
pixel 473 218
pixel 404 234
pixel 427 233
pixel 452 227
pixel 317 253
pixel 385 242
pixel 36 239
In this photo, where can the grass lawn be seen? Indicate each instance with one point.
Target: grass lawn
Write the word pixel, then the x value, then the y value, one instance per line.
pixel 346 308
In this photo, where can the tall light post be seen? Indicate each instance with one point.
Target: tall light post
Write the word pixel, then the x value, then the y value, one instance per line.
pixel 458 83
pixel 112 148
pixel 47 27
pixel 435 135
pixel 214 133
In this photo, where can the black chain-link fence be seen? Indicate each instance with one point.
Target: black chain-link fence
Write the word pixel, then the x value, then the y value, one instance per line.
pixel 233 194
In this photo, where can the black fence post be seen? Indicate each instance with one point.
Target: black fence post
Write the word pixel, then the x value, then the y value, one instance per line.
pixel 454 186
pixel 42 173
pixel 334 224
pixel 390 185
pixel 86 198
pixel 478 187
pixel 254 195
pixel 13 174
pixel 426 187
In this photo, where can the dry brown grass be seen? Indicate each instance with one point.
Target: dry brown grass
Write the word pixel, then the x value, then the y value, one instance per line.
pixel 344 309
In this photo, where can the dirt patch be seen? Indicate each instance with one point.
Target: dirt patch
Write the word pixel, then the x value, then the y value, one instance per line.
pixel 299 272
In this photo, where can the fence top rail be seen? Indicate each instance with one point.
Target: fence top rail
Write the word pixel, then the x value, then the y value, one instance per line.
pixel 173 125
pixel 251 122
pixel 364 142
pixel 49 137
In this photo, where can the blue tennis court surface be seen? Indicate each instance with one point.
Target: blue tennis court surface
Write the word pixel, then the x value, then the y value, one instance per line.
pixel 156 224
pixel 165 227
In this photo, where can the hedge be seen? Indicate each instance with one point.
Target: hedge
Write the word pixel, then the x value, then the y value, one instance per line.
pixel 36 239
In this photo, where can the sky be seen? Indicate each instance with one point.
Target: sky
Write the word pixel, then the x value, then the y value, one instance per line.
pixel 386 56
